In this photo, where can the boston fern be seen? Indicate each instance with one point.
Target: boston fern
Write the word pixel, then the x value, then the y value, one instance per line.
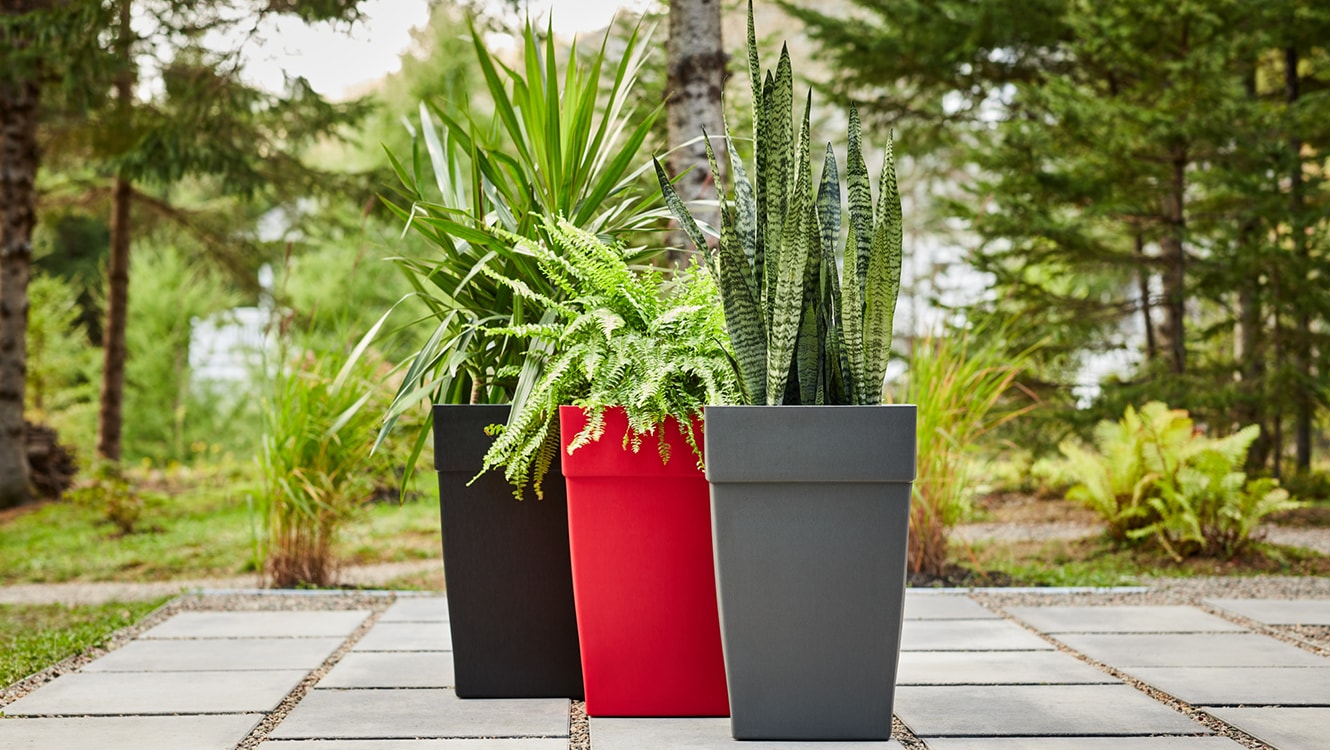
pixel 803 333
pixel 617 337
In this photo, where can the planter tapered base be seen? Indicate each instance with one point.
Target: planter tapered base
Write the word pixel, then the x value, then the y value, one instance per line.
pixel 506 569
pixel 810 515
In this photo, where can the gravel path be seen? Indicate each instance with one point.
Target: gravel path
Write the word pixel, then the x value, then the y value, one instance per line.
pixel 109 591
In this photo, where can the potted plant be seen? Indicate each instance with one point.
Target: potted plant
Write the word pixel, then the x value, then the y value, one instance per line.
pixel 631 361
pixel 810 483
pixel 542 152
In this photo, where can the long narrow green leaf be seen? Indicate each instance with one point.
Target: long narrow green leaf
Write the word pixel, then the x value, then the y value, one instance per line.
pixel 681 214
pixel 808 350
pixel 861 207
pixel 884 280
pixel 503 105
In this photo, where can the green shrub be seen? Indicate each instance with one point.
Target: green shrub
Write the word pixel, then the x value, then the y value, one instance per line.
pixel 1154 475
pixel 114 498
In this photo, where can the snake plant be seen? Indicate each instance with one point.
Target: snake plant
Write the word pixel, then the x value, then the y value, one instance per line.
pixel 803 332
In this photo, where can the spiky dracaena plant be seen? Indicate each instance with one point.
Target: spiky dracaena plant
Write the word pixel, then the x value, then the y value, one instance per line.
pixel 617 337
pixel 803 333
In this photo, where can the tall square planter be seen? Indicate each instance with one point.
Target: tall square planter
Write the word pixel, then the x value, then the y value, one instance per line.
pixel 643 578
pixel 810 516
pixel 506 569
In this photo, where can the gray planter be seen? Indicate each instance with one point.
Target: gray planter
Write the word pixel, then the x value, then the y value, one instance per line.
pixel 506 568
pixel 810 516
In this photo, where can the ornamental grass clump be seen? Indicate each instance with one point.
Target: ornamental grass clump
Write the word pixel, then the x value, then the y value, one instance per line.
pixel 317 463
pixel 803 332
pixel 618 337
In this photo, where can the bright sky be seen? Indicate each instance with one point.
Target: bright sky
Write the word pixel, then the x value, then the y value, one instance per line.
pixel 337 61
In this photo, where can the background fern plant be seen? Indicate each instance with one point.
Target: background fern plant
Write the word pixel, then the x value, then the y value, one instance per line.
pixel 803 332
pixel 618 337
pixel 1151 475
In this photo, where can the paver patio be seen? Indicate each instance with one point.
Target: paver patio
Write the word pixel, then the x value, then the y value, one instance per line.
pixel 970 678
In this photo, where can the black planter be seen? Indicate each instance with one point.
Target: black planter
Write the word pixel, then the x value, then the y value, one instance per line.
pixel 810 518
pixel 506 568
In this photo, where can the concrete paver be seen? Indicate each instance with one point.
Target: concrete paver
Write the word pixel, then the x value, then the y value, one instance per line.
pixel 1278 611
pixel 945 607
pixel 147 693
pixel 321 624
pixel 1036 710
pixel 1284 728
pixel 698 734
pixel 486 743
pixel 995 668
pixel 969 635
pixel 1246 686
pixel 1200 650
pixel 426 713
pixel 1119 619
pixel 417 609
pixel 1082 743
pixel 385 669
pixel 406 636
pixel 217 654
pixel 128 732
pixel 969 680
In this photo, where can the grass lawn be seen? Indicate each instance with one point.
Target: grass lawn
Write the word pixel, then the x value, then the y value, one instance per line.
pixel 1093 561
pixel 197 524
pixel 33 637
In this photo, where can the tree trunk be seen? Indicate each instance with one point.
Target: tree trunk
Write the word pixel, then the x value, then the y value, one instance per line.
pixel 1174 257
pixel 1250 347
pixel 696 80
pixel 1304 403
pixel 109 416
pixel 19 158
pixel 1143 284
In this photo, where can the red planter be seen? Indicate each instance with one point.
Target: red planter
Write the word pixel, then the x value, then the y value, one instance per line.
pixel 643 578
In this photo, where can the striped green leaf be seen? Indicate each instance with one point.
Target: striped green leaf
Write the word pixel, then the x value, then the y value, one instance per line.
pixel 884 281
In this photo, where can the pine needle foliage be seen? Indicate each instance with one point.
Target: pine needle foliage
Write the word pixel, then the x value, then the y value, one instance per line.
pixel 619 337
pixel 803 331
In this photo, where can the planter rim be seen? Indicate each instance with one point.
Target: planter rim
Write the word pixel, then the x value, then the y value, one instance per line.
pixel 811 443
pixel 467 457
pixel 606 457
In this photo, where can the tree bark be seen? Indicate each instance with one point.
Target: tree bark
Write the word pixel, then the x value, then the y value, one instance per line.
pixel 19 157
pixel 696 60
pixel 1143 285
pixel 1304 403
pixel 109 415
pixel 1174 256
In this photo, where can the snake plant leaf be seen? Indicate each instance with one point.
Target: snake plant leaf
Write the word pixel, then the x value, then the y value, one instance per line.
pixel 787 306
pixel 861 206
pixel 754 67
pixel 743 316
pixel 852 321
pixel 884 280
pixel 808 350
pixel 745 212
pixel 681 214
pixel 781 164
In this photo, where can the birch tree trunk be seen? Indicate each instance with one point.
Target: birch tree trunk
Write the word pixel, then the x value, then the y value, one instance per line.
pixel 696 81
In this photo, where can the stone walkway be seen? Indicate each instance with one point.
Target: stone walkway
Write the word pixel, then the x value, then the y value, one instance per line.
pixel 1052 677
